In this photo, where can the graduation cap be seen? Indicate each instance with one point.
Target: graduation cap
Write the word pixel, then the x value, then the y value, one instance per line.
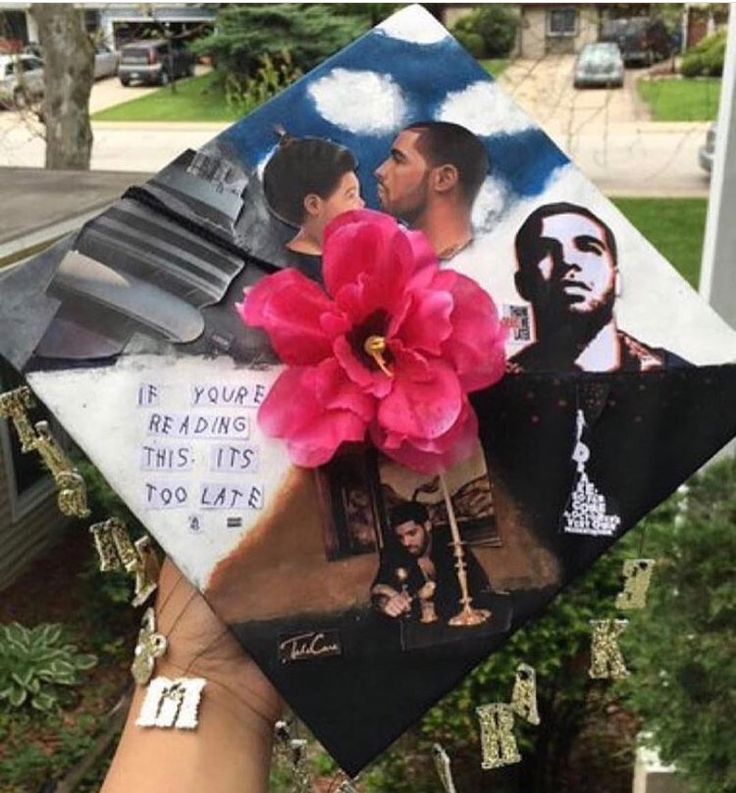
pixel 619 383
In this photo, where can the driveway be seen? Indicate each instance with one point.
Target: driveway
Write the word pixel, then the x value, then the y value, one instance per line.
pixel 545 90
pixel 607 132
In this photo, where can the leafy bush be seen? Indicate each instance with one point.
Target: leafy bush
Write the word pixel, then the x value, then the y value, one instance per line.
pixel 495 24
pixel 272 76
pixel 706 58
pixel 557 646
pixel 473 42
pixel 246 33
pixel 682 648
pixel 34 662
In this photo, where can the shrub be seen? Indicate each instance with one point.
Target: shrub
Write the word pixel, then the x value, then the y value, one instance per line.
pixel 682 648
pixel 706 58
pixel 473 42
pixel 495 24
pixel 557 646
pixel 246 33
pixel 272 76
pixel 34 662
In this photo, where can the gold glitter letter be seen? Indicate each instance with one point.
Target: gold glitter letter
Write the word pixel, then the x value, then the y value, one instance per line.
pixel 524 695
pixel 606 659
pixel 496 737
pixel 637 575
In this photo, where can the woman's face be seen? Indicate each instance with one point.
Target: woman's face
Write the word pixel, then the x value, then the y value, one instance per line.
pixel 343 198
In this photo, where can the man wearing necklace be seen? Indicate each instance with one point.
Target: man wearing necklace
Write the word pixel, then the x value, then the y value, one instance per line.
pixel 430 180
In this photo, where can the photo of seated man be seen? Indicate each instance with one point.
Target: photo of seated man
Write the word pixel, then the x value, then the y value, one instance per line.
pixel 417 577
pixel 308 182
pixel 567 268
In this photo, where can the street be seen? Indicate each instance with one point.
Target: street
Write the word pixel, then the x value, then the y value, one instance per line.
pixel 604 131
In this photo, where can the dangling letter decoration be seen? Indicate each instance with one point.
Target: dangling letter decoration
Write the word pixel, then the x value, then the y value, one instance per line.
pixel 444 769
pixel 72 497
pixel 524 695
pixel 498 743
pixel 117 551
pixel 151 645
pixel 171 703
pixel 637 576
pixel 606 659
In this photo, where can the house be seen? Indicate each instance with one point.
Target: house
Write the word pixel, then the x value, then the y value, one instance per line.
pixel 555 29
pixel 30 520
pixel 114 24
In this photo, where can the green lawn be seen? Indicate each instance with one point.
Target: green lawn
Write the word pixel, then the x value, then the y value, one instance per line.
pixel 675 226
pixel 681 100
pixel 495 66
pixel 196 99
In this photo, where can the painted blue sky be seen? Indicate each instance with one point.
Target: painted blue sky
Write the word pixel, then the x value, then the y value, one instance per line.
pixel 381 83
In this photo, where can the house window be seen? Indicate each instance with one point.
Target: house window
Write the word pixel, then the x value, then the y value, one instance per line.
pixel 562 22
pixel 27 479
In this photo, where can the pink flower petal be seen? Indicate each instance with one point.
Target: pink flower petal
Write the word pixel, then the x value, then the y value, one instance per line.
pixel 426 321
pixel 292 310
pixel 476 346
pixel 426 398
pixel 367 260
pixel 455 446
pixel 306 407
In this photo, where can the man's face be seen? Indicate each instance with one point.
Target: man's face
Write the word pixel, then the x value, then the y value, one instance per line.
pixel 413 536
pixel 578 266
pixel 403 178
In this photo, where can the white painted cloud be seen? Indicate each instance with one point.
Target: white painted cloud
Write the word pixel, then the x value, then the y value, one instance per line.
pixel 413 24
pixel 485 110
pixel 363 102
pixel 489 205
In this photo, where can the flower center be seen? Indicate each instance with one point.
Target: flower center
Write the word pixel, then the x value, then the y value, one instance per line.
pixel 375 346
pixel 368 342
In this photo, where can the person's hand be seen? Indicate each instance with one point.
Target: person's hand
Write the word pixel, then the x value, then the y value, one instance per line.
pixel 397 605
pixel 230 750
pixel 200 645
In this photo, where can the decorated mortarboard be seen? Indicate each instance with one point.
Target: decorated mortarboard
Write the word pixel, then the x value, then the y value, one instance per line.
pixel 309 408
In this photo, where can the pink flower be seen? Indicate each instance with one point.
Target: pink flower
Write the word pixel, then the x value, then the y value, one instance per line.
pixel 390 351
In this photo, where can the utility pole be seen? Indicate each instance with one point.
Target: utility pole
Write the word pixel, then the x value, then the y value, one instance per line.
pixel 718 270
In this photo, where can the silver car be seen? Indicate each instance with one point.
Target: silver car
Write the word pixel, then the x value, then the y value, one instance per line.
pixel 599 64
pixel 708 150
pixel 106 62
pixel 21 80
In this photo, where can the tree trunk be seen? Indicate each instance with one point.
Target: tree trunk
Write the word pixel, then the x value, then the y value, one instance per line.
pixel 68 74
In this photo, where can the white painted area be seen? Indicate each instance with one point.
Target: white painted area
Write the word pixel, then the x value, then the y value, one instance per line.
pixel 484 109
pixel 718 271
pixel 100 408
pixel 651 775
pixel 363 102
pixel 656 305
pixel 489 205
pixel 414 24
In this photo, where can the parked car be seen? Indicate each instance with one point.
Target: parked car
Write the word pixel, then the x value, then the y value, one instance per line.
pixel 21 80
pixel 642 40
pixel 599 64
pixel 708 150
pixel 106 62
pixel 154 62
